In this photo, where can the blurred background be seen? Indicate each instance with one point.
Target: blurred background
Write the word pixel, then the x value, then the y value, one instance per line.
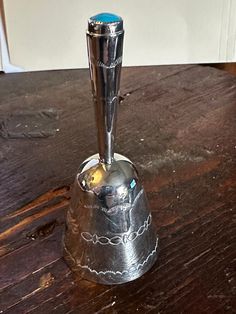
pixel 40 35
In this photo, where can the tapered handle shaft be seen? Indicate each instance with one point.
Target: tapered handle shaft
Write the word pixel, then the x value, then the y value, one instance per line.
pixel 105 45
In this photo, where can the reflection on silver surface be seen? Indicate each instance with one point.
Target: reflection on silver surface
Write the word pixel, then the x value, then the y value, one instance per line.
pixel 110 237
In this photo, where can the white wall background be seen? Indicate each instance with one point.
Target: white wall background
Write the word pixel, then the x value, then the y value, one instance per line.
pixel 50 34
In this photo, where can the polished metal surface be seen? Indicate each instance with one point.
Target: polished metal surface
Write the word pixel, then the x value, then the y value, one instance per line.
pixel 105 44
pixel 110 237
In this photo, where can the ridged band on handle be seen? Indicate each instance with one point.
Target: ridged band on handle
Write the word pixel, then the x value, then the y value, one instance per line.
pixel 105 45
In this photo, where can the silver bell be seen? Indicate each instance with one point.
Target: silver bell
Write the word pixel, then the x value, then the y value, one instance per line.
pixel 110 237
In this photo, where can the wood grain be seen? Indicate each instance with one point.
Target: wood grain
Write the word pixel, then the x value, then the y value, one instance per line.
pixel 178 125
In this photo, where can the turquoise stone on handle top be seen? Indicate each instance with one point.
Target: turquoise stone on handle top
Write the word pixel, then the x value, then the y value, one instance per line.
pixel 106 18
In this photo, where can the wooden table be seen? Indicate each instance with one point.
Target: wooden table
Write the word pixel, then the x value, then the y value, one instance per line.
pixel 178 125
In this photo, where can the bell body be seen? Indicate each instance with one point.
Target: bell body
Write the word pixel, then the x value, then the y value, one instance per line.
pixel 109 235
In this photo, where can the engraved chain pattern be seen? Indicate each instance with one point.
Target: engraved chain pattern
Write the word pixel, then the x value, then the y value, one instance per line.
pixel 116 240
